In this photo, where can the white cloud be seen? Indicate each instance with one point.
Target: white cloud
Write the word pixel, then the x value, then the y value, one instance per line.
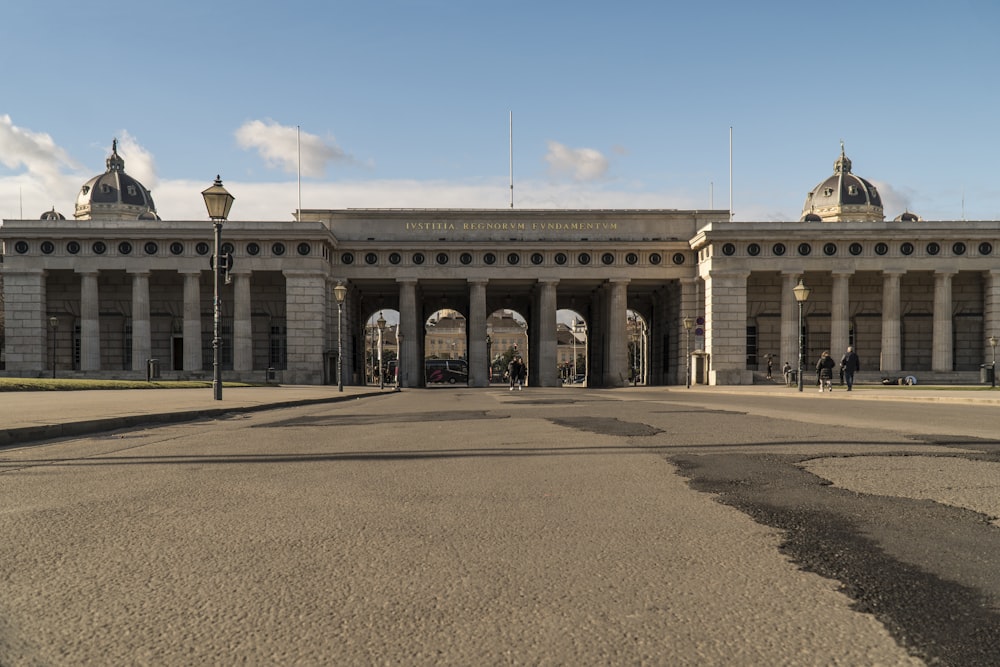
pixel 139 162
pixel 279 145
pixel 582 164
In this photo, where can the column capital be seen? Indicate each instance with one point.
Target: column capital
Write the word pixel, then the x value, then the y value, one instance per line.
pixel 477 281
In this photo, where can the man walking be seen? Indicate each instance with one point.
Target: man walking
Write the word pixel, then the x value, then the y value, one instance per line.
pixel 850 365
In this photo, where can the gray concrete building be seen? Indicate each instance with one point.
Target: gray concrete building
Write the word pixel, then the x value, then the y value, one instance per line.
pixel 116 286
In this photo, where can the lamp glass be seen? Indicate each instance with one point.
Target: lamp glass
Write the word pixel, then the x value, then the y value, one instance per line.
pixel 688 323
pixel 801 292
pixel 218 201
pixel 340 292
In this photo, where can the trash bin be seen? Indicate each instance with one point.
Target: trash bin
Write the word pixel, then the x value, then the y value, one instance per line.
pixel 270 374
pixel 986 373
pixel 152 369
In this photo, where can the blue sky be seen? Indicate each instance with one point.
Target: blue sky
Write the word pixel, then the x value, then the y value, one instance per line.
pixel 405 103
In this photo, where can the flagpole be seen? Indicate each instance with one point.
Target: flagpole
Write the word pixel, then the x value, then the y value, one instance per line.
pixel 298 148
pixel 511 151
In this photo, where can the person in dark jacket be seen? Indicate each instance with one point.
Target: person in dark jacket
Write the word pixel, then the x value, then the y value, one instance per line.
pixel 825 369
pixel 850 365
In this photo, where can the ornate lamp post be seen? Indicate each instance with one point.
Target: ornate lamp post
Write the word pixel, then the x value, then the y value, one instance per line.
pixel 801 295
pixel 399 358
pixel 688 324
pixel 993 373
pixel 489 358
pixel 54 325
pixel 381 329
pixel 218 202
pixel 340 293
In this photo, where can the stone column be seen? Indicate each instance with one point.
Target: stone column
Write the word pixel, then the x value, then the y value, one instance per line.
pixel 305 312
pixel 891 356
pixel 726 334
pixel 479 364
pixel 789 319
pixel 991 310
pixel 689 307
pixel 28 344
pixel 192 321
pixel 242 328
pixel 411 373
pixel 615 324
pixel 941 356
pixel 546 352
pixel 90 324
pixel 840 314
pixel 142 347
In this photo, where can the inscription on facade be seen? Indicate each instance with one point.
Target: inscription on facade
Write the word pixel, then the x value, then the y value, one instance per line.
pixel 512 226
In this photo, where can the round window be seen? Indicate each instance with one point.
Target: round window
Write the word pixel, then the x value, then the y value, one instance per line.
pixel 631 258
pixel 73 247
pixel 48 247
pixel 537 258
pixel 607 259
pixel 753 249
pixel 465 258
pixel 561 258
pixel 176 248
pixel 490 258
pixel 728 249
pixel 513 259
pixel 395 258
pixel 655 258
pixel 201 248
pixel 371 258
pixel 253 249
pixel 21 247
pixel 345 258
pixel 227 249
pixel 933 248
pixel 124 248
pixel 151 248
pixel 881 248
pixel 100 247
pixel 906 248
pixel 583 258
pixel 304 249
pixel 418 258
pixel 442 258
pixel 678 258
pixel 278 249
pixel 985 248
pixel 958 248
pixel 855 249
pixel 778 249
pixel 805 249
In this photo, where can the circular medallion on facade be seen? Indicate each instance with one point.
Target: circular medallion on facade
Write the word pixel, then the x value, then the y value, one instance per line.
pixel 778 249
pixel 371 258
pixel 678 258
pixel 442 258
pixel 201 248
pixel 881 248
pixel 48 247
pixel 933 248
pixel 278 249
pixel 537 258
pixel 728 249
pixel 99 247
pixel 631 259
pixel 395 258
pixel 490 258
pixel 855 249
pixel 465 258
pixel 753 249
pixel 151 248
pixel 583 258
pixel 985 248
pixel 227 249
pixel 906 248
pixel 805 249
pixel 176 248
pixel 608 258
pixel 346 258
pixel 304 249
pixel 124 248
pixel 958 248
pixel 253 249
pixel 829 249
pixel 73 247
pixel 418 258
pixel 21 247
pixel 655 258
pixel 561 258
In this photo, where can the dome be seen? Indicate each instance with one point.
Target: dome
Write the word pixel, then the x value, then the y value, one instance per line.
pixel 114 195
pixel 52 215
pixel 843 197
pixel 908 216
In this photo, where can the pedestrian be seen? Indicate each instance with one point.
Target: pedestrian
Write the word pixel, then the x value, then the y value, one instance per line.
pixel 786 371
pixel 825 369
pixel 770 365
pixel 850 365
pixel 515 371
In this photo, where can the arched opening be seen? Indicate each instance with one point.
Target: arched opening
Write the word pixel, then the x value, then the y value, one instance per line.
pixel 637 335
pixel 506 338
pixel 446 353
pixel 381 353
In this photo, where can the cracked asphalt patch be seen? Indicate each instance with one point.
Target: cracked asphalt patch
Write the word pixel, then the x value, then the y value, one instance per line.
pixel 885 551
pixel 398 418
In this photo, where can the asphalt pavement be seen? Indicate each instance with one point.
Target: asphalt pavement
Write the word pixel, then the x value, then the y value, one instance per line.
pixel 32 416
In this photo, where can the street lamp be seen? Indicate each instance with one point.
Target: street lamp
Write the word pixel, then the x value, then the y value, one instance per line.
pixel 340 293
pixel 399 357
pixel 993 373
pixel 489 359
pixel 218 202
pixel 801 295
pixel 381 329
pixel 54 323
pixel 688 324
